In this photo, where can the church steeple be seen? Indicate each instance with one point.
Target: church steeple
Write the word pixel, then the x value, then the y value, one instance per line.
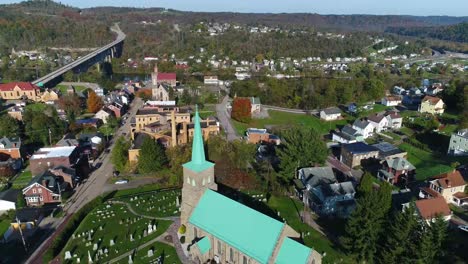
pixel 198 162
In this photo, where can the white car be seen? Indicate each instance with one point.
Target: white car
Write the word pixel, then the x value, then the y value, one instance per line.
pixel 463 227
pixel 121 182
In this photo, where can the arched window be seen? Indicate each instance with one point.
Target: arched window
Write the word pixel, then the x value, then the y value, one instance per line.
pixel 188 180
pixel 219 248
pixel 245 260
pixel 195 232
pixel 231 254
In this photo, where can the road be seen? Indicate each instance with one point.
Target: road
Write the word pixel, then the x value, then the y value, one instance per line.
pixel 90 189
pixel 85 84
pixel 46 78
pixel 291 110
pixel 225 120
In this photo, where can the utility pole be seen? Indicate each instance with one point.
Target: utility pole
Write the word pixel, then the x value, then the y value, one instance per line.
pixel 60 192
pixel 21 233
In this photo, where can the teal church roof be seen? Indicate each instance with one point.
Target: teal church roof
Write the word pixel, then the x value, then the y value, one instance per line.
pixel 198 162
pixel 249 231
pixel 204 245
pixel 292 252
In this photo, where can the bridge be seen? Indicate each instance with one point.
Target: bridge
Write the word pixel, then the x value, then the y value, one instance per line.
pixel 106 53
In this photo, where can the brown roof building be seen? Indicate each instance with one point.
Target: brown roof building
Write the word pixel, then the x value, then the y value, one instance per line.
pixel 429 209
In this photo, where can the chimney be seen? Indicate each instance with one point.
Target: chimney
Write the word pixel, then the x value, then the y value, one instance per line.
pixel 173 126
pixel 448 183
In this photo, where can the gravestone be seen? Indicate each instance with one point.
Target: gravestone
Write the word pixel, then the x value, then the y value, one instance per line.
pixel 112 243
pixel 100 228
pixel 78 260
pixel 95 246
pixel 90 260
pixel 100 252
pixel 106 251
pixel 73 236
pixel 89 236
pixel 150 253
pixel 154 228
pixel 130 261
pixel 68 255
pixel 145 233
pixel 131 238
pixel 177 201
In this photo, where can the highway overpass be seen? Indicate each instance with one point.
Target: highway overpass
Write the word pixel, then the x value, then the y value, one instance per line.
pixel 111 50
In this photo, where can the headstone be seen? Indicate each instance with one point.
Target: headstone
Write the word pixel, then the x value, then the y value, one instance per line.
pixel 145 233
pixel 130 261
pixel 106 251
pixel 73 236
pixel 100 228
pixel 68 255
pixel 95 246
pixel 78 260
pixel 89 236
pixel 131 238
pixel 90 260
pixel 112 243
pixel 150 229
pixel 150 253
pixel 100 252
pixel 154 228
pixel 177 201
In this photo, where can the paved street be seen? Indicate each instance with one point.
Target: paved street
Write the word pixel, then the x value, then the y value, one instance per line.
pixel 225 120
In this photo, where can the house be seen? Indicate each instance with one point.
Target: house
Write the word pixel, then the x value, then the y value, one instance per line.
pixel 20 90
pixel 432 105
pixel 221 229
pixel 354 154
pixel 16 112
pixel 389 151
pixel 150 115
pixel 352 108
pixel 347 135
pixel 412 101
pixel 44 189
pixel 160 92
pixel 391 100
pixel 11 147
pixel 399 90
pixel 332 113
pixel 435 89
pixel 118 111
pixel 104 114
pixel 210 80
pixel 363 127
pixel 257 135
pixel 50 157
pixel 256 105
pixel 396 170
pixel 50 95
pixel 169 78
pixel 450 186
pixel 379 122
pixel 458 145
pixel 429 209
pixel 312 176
pixel 89 122
pixel 335 199
pixel 8 200
pixel 395 121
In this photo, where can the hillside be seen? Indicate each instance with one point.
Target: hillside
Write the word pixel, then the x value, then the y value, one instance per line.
pixel 457 33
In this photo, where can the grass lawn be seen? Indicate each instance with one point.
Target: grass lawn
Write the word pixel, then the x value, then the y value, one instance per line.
pixel 376 109
pixel 117 224
pixel 36 107
pixel 449 129
pixel 284 118
pixel 142 189
pixel 168 253
pixel 427 164
pixel 161 204
pixel 204 114
pixel 63 88
pixel 22 180
pixel 407 131
pixel 392 135
pixel 4 225
pixel 288 209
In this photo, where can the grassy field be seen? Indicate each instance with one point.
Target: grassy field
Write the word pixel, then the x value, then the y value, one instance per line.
pixel 36 107
pixel 288 210
pixel 426 163
pixel 22 180
pixel 111 222
pixel 376 109
pixel 168 253
pixel 4 225
pixel 161 204
pixel 63 88
pixel 139 190
pixel 287 119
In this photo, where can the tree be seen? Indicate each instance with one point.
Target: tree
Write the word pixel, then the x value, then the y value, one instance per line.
pixel 94 102
pixel 43 126
pixel 71 104
pixel 152 156
pixel 301 147
pixel 241 110
pixel 119 155
pixel 9 126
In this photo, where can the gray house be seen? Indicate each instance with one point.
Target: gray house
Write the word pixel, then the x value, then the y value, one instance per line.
pixel 458 145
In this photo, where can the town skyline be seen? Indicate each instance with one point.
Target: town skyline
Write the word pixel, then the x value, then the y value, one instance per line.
pixel 333 7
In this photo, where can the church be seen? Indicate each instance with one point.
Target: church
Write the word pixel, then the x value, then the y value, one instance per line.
pixel 161 83
pixel 223 230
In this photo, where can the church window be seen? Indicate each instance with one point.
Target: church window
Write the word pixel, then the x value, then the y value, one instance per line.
pixel 203 182
pixel 188 180
pixel 193 183
pixel 195 232
pixel 219 247
pixel 244 260
pixel 231 255
pixel 209 180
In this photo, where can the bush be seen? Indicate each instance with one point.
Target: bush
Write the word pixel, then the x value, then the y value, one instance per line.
pixel 182 229
pixel 182 239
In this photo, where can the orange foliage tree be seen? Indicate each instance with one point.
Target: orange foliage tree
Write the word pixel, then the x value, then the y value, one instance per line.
pixel 94 102
pixel 241 110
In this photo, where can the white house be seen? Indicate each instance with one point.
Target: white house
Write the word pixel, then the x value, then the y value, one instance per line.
pixel 391 100
pixel 211 80
pixel 256 105
pixel 332 113
pixel 363 127
pixel 8 200
pixel 395 121
pixel 379 121
pixel 103 114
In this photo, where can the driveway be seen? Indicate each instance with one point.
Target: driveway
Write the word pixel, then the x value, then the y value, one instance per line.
pixel 225 120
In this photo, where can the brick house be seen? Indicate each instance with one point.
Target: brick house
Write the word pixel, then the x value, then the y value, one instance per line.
pixel 11 147
pixel 41 190
pixel 50 157
pixel 353 154
pixel 20 90
pixel 396 170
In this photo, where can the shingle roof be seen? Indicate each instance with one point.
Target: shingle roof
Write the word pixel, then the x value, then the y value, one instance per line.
pixel 400 164
pixel 25 86
pixel 332 111
pixel 317 175
pixel 362 124
pixel 349 130
pixel 452 179
pixel 10 142
pixel 376 118
pixel 167 76
pixel 359 147
pixel 249 231
pixel 430 208
pixel 431 99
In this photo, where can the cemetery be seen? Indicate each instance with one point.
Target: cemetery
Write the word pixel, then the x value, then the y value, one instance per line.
pixel 113 229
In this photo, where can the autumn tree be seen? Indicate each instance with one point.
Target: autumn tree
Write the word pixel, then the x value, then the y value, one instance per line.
pixel 71 104
pixel 94 102
pixel 241 110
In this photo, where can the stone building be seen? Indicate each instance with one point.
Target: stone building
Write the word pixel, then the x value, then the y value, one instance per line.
pixel 222 230
pixel 20 90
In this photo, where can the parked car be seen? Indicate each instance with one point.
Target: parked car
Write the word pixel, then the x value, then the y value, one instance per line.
pixel 116 173
pixel 121 182
pixel 463 228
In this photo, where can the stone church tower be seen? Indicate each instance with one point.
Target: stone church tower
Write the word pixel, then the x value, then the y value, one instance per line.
pixel 154 76
pixel 198 174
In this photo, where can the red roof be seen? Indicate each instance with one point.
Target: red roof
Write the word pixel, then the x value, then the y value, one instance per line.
pixel 450 179
pixel 430 208
pixel 431 99
pixel 166 76
pixel 25 86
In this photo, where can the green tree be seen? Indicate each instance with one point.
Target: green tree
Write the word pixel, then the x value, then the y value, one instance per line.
pixel 9 126
pixel 119 155
pixel 152 156
pixel 301 147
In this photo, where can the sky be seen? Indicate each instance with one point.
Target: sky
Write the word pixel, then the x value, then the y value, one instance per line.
pixel 377 7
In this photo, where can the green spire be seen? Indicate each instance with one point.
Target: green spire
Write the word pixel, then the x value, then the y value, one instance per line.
pixel 198 162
